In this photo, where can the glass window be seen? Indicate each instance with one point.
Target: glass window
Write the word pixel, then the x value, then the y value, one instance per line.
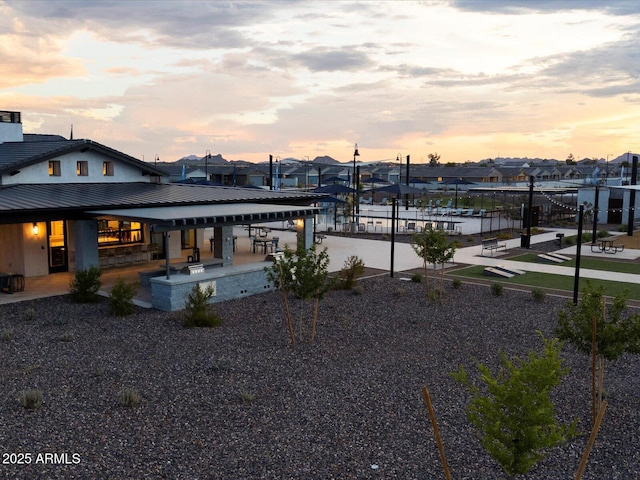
pixel 107 169
pixel 54 168
pixel 82 168
pixel 114 232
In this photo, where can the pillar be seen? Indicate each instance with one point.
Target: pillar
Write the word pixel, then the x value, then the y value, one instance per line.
pixel 86 244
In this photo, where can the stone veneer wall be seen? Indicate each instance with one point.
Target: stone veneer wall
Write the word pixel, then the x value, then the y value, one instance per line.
pixel 229 283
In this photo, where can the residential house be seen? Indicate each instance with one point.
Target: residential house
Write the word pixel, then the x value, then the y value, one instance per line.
pixel 65 202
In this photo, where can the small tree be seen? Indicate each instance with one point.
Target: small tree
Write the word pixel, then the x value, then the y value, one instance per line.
pixel 433 247
pixel 601 331
pixel 85 285
pixel 516 420
pixel 305 274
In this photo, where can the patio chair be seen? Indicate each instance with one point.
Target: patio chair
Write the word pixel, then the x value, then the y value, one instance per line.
pixel 274 244
pixel 136 253
pixel 103 258
pixel 119 255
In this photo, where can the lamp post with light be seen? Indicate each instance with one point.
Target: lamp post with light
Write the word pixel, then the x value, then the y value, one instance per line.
pixel 207 157
pixel 355 187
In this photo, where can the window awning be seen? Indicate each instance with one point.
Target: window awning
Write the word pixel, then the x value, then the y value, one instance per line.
pixel 192 216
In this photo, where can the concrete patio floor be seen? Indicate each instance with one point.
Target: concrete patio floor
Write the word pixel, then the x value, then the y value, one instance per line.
pixel 375 254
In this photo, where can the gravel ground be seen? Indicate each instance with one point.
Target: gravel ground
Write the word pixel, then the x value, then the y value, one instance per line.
pixel 348 406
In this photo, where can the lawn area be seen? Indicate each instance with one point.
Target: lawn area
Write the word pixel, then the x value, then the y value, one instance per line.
pixel 587 262
pixel 556 282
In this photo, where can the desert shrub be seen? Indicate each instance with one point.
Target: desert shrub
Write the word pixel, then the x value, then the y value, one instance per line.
pixel 623 228
pixel 357 290
pixel 121 298
pixel 84 287
pixel 197 312
pixel 570 241
pixel 247 397
pixel 587 237
pixel 602 233
pixel 497 289
pixel 352 269
pixel 30 314
pixel 538 294
pixel 7 334
pixel 67 337
pixel 416 278
pixel 505 236
pixel 31 399
pixel 456 283
pixel 129 397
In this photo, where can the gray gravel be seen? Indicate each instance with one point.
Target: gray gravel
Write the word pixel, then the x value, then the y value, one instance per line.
pixel 347 407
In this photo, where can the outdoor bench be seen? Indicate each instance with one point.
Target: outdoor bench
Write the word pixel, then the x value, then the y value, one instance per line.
pixel 492 244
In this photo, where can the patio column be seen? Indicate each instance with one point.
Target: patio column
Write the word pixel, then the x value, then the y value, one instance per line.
pixel 304 229
pixel 86 244
pixel 223 244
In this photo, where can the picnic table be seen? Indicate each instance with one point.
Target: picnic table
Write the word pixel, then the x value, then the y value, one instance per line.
pixel 607 245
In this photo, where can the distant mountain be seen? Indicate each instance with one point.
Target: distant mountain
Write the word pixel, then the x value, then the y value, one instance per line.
pixel 325 159
pixel 196 160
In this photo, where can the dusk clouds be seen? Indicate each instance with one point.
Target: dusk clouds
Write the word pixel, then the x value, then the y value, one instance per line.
pixel 467 79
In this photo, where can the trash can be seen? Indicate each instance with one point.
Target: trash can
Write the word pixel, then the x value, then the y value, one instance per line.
pixel 524 240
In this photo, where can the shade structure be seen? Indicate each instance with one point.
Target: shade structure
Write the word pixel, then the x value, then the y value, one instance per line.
pixel 334 179
pixel 334 189
pixel 374 180
pixel 456 182
pixel 400 189
pixel 332 200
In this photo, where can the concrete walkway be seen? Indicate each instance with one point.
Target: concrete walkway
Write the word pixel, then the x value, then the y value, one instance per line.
pixel 375 254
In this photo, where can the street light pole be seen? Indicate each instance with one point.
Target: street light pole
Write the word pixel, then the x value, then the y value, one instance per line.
pixel 207 156
pixel 355 188
pixel 406 199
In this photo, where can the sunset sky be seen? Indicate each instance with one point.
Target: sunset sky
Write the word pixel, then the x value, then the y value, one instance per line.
pixel 467 79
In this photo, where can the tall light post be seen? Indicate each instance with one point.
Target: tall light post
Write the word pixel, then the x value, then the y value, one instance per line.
pixel 207 156
pixel 355 187
pixel 306 174
pixel 155 160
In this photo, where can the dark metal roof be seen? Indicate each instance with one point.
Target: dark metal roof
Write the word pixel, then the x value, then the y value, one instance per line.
pixel 179 217
pixel 16 155
pixel 29 202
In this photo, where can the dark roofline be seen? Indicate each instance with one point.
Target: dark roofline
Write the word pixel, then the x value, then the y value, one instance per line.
pixel 68 146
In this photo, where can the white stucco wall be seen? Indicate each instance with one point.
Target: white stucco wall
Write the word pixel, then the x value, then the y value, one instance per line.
pixel 39 173
pixel 36 257
pixel 10 132
pixel 23 252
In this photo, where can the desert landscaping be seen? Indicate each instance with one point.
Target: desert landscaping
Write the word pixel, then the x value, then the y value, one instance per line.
pixel 238 401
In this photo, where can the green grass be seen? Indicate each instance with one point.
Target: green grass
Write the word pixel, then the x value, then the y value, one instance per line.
pixel 556 282
pixel 586 262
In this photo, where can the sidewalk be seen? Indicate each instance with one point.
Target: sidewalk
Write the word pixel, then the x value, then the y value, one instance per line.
pixel 375 254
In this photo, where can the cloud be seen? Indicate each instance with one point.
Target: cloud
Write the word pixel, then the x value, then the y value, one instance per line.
pixel 326 60
pixel 614 7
